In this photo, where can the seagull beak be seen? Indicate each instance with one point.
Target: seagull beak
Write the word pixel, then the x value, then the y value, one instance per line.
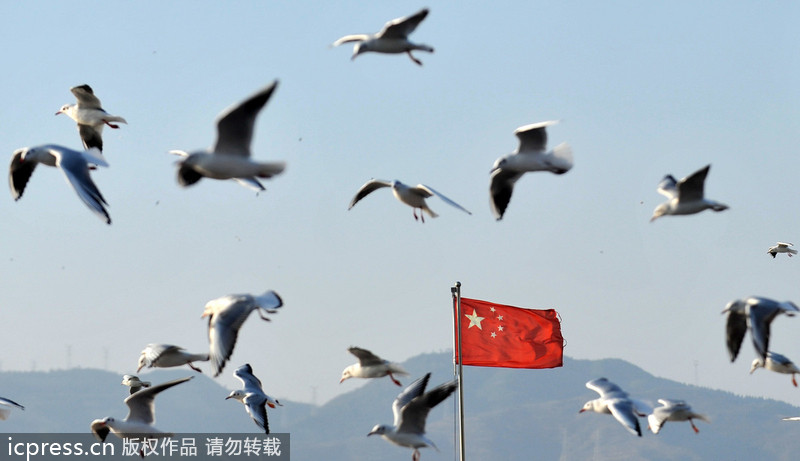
pixel 59 112
pixel 581 410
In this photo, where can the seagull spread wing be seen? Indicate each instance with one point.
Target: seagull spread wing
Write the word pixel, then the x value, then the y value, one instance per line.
pixel 401 28
pixel 369 187
pixel 235 124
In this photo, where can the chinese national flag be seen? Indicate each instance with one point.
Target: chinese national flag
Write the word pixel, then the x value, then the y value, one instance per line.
pixel 494 335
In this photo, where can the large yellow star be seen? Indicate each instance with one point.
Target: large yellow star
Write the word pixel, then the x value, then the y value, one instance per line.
pixel 474 320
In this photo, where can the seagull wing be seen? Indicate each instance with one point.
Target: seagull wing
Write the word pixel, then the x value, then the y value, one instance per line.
pixel 623 411
pixel 500 189
pixel 368 188
pixel 76 170
pixel 412 391
pixel 19 172
pixel 256 406
pixel 141 405
pixel 235 124
pixel 606 388
pixel 223 330
pixel 433 191
pixel 100 429
pixel 415 413
pixel 92 136
pixel 10 403
pixel 533 137
pixel 735 329
pixel 249 381
pixel 691 187
pixel 153 352
pixel 351 38
pixel 400 28
pixel 365 357
pixel 761 316
pixel 86 98
pixel 668 186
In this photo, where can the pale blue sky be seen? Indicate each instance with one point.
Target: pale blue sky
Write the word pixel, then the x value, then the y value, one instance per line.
pixel 643 89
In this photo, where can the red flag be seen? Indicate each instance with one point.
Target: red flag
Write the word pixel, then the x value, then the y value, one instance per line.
pixel 494 335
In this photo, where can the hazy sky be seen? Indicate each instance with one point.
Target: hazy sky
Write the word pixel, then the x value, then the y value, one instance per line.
pixel 642 89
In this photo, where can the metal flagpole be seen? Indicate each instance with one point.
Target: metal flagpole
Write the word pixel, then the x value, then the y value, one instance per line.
pixel 456 292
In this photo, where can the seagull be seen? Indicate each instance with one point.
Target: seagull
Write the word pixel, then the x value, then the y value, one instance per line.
pixel 615 401
pixel 529 156
pixel 74 164
pixel 90 116
pixel 411 196
pixel 782 247
pixel 791 418
pixel 371 366
pixel 685 196
pixel 393 38
pixel 410 410
pixel 230 156
pixel 777 363
pixel 167 355
pixel 253 397
pixel 673 410
pixel 5 407
pixel 226 315
pixel 249 183
pixel 141 416
pixel 756 314
pixel 134 383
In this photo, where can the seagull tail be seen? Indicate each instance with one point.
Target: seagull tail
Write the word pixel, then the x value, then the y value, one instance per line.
pixel 562 158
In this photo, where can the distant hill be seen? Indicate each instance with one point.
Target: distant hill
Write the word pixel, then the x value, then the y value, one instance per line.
pixel 509 414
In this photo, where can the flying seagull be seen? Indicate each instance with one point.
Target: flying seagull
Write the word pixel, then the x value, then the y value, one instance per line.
pixel 410 410
pixel 393 38
pixel 531 155
pixel 74 164
pixel 6 405
pixel 613 400
pixel 168 355
pixel 226 315
pixel 782 247
pixel 685 196
pixel 412 196
pixel 371 366
pixel 754 314
pixel 141 415
pixel 777 363
pixel 134 383
pixel 253 397
pixel 249 183
pixel 230 156
pixel 673 410
pixel 90 116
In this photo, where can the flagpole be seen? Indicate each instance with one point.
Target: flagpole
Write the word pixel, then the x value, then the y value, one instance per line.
pixel 456 292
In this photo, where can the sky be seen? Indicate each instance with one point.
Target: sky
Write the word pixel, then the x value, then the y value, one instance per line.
pixel 641 89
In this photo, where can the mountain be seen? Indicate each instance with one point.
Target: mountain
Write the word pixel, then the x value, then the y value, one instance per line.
pixel 509 414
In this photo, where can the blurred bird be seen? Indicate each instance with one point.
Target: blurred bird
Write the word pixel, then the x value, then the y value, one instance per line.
pixel 782 247
pixel 74 164
pixel 168 355
pixel 410 410
pixel 229 158
pixel 6 405
pixel 90 116
pixel 531 155
pixel 411 196
pixel 371 366
pixel 226 315
pixel 685 196
pixel 134 383
pixel 393 38
pixel 613 400
pixel 673 410
pixel 754 314
pixel 777 363
pixel 253 397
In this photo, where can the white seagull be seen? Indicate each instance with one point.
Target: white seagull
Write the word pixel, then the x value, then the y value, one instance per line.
pixel 371 366
pixel 410 410
pixel 90 116
pixel 685 196
pixel 74 164
pixel 249 183
pixel 253 397
pixel 777 363
pixel 230 156
pixel 168 355
pixel 673 410
pixel 754 314
pixel 412 196
pixel 613 400
pixel 6 405
pixel 226 315
pixel 393 38
pixel 135 383
pixel 531 155
pixel 141 415
pixel 782 247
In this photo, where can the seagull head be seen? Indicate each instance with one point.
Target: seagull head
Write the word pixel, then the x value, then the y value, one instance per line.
pixel 238 394
pixel 380 429
pixel 65 109
pixel 142 362
pixel 660 211
pixel 757 363
pixel 347 374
